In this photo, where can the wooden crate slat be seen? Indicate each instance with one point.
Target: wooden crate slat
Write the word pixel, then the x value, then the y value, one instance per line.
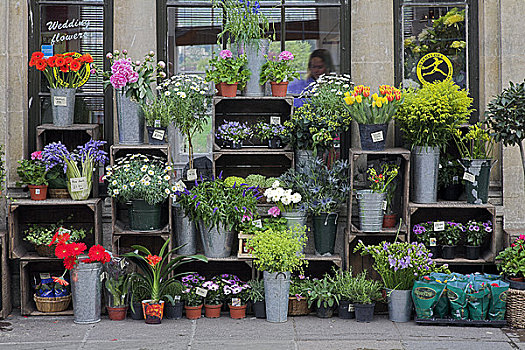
pixel 6 277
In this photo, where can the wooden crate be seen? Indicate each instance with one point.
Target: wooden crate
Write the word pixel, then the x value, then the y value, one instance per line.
pixel 6 306
pixel 243 251
pixel 71 136
pixel 85 214
pixel 247 161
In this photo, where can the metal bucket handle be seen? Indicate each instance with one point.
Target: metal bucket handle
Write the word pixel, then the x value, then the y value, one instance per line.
pixel 280 273
pixel 327 215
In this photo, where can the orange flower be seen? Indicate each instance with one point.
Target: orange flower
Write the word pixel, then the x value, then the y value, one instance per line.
pixel 75 65
pixel 37 54
pixel 59 61
pixel 60 280
pixel 153 259
pixel 51 61
pixel 41 64
pixel 86 58
pixel 64 68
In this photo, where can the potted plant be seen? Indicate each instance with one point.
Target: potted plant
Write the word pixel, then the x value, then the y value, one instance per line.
pixel 476 148
pixel 297 300
pixel 237 292
pixel 344 288
pixel 450 173
pixel 157 115
pixel 51 294
pixel 157 272
pixel 32 172
pixel 450 238
pixel 256 297
pixel 277 252
pixel 193 295
pixel 400 264
pixel 42 235
pixel 371 200
pixel 475 235
pixel 278 71
pixel 142 182
pixel 117 285
pixel 138 292
pixel 273 133
pixel 64 73
pixel 132 81
pixel 366 293
pixel 233 133
pixel 428 118
pixel 79 165
pixel 287 203
pixel 323 295
pixel 511 262
pixel 390 217
pixel 174 305
pixel 213 298
pixel 373 113
pixel 424 233
pixel 57 183
pixel 218 209
pixel 227 72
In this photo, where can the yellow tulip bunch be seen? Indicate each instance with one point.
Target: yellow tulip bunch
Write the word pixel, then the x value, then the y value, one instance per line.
pixel 375 108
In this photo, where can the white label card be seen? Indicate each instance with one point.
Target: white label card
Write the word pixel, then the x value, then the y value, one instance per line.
pixel 275 120
pixel 37 190
pixel 62 230
pixel 60 101
pixel 201 292
pixel 103 276
pixel 384 205
pixel 257 223
pixel 236 302
pixel 157 124
pixel 122 264
pixel 180 183
pixel 45 276
pixel 377 136
pixel 351 308
pixel 146 178
pixel 433 241
pixel 177 298
pixel 192 174
pixel 439 226
pixel 158 134
pixel 469 177
pixel 78 184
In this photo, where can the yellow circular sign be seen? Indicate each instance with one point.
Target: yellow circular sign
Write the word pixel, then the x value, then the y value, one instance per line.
pixel 434 67
pixel 85 73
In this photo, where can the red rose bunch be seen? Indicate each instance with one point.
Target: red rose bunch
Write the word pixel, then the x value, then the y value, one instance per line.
pixel 63 70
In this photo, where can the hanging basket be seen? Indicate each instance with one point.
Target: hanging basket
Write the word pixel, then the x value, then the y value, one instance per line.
pixel 52 304
pixel 516 308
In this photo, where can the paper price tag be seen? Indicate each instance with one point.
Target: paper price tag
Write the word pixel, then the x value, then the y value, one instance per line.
pixel 45 276
pixel 236 302
pixel 78 184
pixel 351 308
pixel 469 177
pixel 158 134
pixel 37 190
pixel 384 205
pixel 377 136
pixel 157 124
pixel 192 174
pixel 257 223
pixel 180 183
pixel 60 101
pixel 103 275
pixel 433 241
pixel 122 264
pixel 177 298
pixel 201 292
pixel 146 178
pixel 439 226
pixel 275 120
pixel 62 231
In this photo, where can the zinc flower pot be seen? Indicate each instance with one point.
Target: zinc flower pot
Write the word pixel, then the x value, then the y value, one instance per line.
pixel 346 310
pixel 325 311
pixel 237 312
pixel 213 311
pixel 370 210
pixel 173 312
pixel 86 289
pixel 185 233
pixel 193 312
pixel 449 252
pixel 275 142
pixel 373 136
pixel 276 290
pixel 259 309
pixel 228 90
pixel 63 106
pixel 477 188
pixel 325 231
pixel 364 312
pixel 117 313
pixel 156 136
pixel 279 89
pixel 425 168
pixel 255 52
pixel 472 252
pixel 38 192
pixel 144 216
pixel 217 241
pixel 399 305
pixel 130 121
pixel 294 217
pixel 153 312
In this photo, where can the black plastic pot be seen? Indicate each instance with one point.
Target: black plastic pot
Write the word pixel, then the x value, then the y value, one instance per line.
pixel 472 252
pixel 449 252
pixel 436 251
pixel 452 192
pixel 259 309
pixel 275 142
pixel 346 310
pixel 364 312
pixel 173 312
pixel 370 133
pixel 159 133
pixel 325 311
pixel 515 284
pixel 136 311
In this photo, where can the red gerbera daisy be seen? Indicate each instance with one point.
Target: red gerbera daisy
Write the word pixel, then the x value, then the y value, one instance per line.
pixel 96 253
pixel 70 262
pixel 60 61
pixel 51 61
pixel 76 248
pixel 105 258
pixel 37 54
pixel 61 251
pixel 75 65
pixel 41 64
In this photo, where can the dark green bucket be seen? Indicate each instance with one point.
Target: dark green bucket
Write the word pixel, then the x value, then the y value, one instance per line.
pixel 143 216
pixel 477 191
pixel 325 230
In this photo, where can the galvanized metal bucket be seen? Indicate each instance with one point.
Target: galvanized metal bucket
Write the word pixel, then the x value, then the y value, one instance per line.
pixel 399 305
pixel 478 190
pixel 425 168
pixel 130 121
pixel 294 218
pixel 86 289
pixel 302 156
pixel 63 106
pixel 255 54
pixel 370 210
pixel 185 232
pixel 217 242
pixel 276 290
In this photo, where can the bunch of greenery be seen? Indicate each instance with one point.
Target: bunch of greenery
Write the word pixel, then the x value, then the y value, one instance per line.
pixel 373 109
pixel 344 284
pixel 226 68
pixel 270 181
pixel 31 172
pixel 173 292
pixel 323 292
pixel 452 234
pixel 255 180
pixel 429 116
pixel 244 21
pixel 230 181
pixel 477 143
pixel 449 172
pixel 43 234
pixel 365 291
pixel 278 69
pixel 256 291
pixel 138 291
pixel 157 111
pixel 139 177
pixel 379 182
pixel 56 178
pixel 117 283
pixel 511 261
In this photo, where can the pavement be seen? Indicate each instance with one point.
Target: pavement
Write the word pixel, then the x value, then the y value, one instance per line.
pixel 299 333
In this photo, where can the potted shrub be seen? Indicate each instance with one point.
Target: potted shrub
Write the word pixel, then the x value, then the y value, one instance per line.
pixel 157 115
pixel 428 117
pixel 117 285
pixel 32 172
pixel 297 300
pixel 373 113
pixel 41 237
pixel 366 293
pixel 344 288
pixel 450 238
pixel 218 209
pixel 142 182
pixel 279 72
pixel 371 200
pixel 237 293
pixel 174 305
pixel 424 233
pixel 400 264
pixel 322 294
pixel 213 298
pixel 57 183
pixel 450 174
pixel 193 295
pixel 157 272
pixel 227 72
pixel 277 252
pixel 233 133
pixel 476 233
pixel 511 262
pixel 273 133
pixel 287 203
pixel 256 297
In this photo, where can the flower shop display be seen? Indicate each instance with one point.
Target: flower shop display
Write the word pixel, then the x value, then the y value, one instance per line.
pixel 64 73
pixel 142 182
pixel 278 254
pixel 78 165
pixel 117 285
pixel 450 173
pixel 511 262
pixel 450 238
pixel 278 70
pixel 173 305
pixel 371 201
pixel 476 231
pixel 365 294
pixel 287 203
pixel 233 133
pixel 476 148
pixel 428 118
pixel 157 272
pixel 400 264
pixel 132 81
pixel 227 72
pixel 218 209
pixel 322 294
pixel 256 297
pixel 32 172
pixel 298 296
pixel 193 297
pixel 273 133
pixel 373 113
pixel 42 235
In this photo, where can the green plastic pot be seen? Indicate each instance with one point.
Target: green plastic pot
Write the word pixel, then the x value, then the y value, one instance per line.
pixel 144 216
pixel 325 230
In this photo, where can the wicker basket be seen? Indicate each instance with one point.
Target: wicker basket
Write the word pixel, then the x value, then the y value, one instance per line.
pixel 58 193
pixel 45 250
pixel 298 307
pixel 52 304
pixel 516 308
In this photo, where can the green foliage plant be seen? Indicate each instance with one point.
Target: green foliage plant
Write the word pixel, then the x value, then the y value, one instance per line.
pixel 230 181
pixel 256 290
pixel 255 180
pixel 476 231
pixel 322 292
pixel 118 288
pixel 511 261
pixel 226 68
pixel 299 287
pixel 173 292
pixel 31 172
pixel 38 234
pixel 157 111
pixel 365 291
pixel 477 143
pixel 344 285
pixel 452 233
pixel 379 183
pixel 278 69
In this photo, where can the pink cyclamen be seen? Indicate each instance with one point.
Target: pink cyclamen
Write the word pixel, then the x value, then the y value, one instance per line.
pixel 274 211
pixel 224 54
pixel 286 56
pixel 36 155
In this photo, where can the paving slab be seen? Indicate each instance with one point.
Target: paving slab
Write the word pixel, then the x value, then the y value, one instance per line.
pixel 160 344
pixel 412 331
pixel 243 345
pixel 41 329
pixel 350 344
pixel 456 345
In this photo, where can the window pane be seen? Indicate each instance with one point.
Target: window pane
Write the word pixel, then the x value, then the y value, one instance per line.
pixel 428 29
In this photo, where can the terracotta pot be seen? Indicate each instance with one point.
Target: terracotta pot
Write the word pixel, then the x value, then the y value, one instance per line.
pixel 38 193
pixel 218 87
pixel 117 313
pixel 153 312
pixel 389 220
pixel 228 90
pixel 193 312
pixel 279 89
pixel 212 311
pixel 237 312
pixel 517 279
